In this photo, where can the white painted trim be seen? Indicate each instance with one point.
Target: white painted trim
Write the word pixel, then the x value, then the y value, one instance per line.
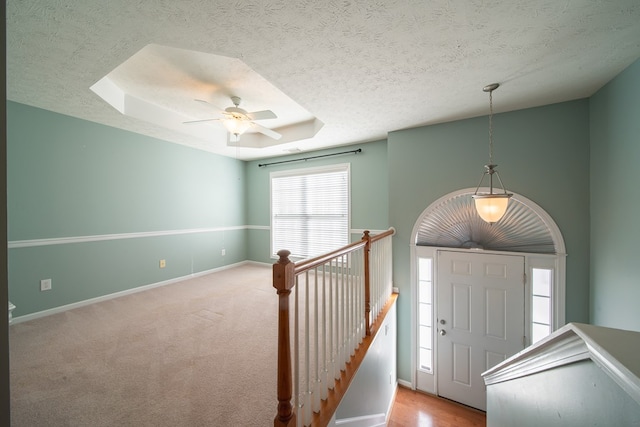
pixel 391 402
pixel 142 288
pixel 413 360
pixel 425 382
pixel 261 264
pixel 102 237
pixel 559 299
pixel 574 342
pixel 568 349
pixel 374 420
pixel 259 227
pixel 405 384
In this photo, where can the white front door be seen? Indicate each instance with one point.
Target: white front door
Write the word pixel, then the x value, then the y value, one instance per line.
pixel 480 320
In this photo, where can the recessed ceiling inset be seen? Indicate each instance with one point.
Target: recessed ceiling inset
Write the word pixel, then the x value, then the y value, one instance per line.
pixel 162 85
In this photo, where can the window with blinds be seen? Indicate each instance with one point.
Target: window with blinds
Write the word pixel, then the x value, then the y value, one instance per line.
pixel 310 210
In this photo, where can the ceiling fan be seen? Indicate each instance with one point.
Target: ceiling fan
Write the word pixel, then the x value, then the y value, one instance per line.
pixel 237 121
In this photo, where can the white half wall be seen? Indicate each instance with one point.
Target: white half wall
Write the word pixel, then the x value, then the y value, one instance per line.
pixel 370 396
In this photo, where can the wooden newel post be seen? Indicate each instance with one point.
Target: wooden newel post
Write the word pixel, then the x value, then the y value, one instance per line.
pixel 367 283
pixel 283 281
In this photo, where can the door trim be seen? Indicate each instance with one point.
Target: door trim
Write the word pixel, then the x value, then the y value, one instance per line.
pixel 558 260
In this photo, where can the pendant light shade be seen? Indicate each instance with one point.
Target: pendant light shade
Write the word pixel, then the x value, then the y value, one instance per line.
pixel 491 206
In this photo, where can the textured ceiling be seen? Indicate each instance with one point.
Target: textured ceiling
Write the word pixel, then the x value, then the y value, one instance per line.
pixel 363 68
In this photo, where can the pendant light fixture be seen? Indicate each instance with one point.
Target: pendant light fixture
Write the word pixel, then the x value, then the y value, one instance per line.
pixel 491 206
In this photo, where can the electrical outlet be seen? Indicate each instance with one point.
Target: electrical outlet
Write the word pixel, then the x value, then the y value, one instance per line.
pixel 45 284
pixel 224 252
pixel 163 263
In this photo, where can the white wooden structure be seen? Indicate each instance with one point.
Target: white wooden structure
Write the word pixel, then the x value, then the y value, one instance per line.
pixel 579 375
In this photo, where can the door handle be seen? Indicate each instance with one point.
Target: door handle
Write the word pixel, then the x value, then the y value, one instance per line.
pixel 443 332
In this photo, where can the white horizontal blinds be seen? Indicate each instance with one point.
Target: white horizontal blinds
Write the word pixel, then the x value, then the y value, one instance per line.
pixel 310 210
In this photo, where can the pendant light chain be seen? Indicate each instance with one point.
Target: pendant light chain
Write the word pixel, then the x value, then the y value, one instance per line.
pixel 491 127
pixel 491 206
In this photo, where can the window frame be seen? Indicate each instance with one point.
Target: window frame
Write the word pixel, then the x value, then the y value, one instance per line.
pixel 341 167
pixel 430 280
pixel 549 263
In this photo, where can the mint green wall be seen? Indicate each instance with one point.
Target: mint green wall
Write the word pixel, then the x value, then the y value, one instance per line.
pixel 5 402
pixel 69 178
pixel 615 201
pixel 369 191
pixel 542 153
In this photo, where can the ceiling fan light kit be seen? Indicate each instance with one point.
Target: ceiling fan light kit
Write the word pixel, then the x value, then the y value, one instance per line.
pixel 237 121
pixel 491 206
pixel 236 125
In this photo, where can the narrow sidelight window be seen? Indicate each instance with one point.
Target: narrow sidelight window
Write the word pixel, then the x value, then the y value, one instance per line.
pixel 425 316
pixel 541 313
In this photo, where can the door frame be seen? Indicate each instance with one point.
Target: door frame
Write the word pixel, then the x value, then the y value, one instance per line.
pixel 555 261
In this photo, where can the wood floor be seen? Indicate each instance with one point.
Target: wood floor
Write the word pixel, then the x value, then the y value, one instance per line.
pixel 415 409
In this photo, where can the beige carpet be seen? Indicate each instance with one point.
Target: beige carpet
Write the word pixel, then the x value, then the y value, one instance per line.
pixel 197 353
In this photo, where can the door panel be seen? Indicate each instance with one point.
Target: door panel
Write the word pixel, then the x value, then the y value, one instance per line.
pixel 480 314
pixel 461 307
pixel 496 300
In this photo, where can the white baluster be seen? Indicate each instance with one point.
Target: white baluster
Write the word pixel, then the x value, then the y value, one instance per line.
pixel 316 350
pixel 325 368
pixel 307 363
pixel 296 355
pixel 335 324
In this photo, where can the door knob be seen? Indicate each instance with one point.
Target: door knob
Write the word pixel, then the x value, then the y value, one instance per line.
pixel 443 332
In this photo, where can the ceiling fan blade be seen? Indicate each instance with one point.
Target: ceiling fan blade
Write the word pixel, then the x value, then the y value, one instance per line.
pixel 199 121
pixel 262 115
pixel 266 131
pixel 202 101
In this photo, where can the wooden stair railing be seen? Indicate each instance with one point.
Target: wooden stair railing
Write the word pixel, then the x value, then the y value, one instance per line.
pixel 345 294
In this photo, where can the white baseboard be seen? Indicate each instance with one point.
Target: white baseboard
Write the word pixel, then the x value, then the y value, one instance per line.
pixel 261 264
pixel 406 384
pixel 365 421
pixel 63 308
pixel 393 400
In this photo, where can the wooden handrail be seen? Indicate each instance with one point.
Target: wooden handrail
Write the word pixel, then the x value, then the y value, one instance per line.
pixel 390 232
pixel 308 264
pixel 311 263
